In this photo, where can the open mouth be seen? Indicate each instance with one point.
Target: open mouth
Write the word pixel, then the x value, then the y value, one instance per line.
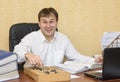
pixel 48 30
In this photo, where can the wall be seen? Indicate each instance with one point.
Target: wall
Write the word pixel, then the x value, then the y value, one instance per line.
pixel 84 21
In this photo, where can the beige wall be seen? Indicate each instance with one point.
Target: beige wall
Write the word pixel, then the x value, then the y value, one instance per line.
pixel 84 21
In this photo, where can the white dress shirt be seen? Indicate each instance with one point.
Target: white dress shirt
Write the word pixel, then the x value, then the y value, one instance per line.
pixel 51 53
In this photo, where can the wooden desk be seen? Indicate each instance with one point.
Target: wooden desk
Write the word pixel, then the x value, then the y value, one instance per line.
pixel 83 78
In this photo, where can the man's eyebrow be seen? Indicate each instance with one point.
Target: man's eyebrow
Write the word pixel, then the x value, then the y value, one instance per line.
pixel 52 19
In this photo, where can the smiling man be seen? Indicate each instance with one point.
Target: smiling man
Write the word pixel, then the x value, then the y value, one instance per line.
pixel 47 46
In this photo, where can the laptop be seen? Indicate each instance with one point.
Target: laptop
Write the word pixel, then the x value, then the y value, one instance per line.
pixel 111 65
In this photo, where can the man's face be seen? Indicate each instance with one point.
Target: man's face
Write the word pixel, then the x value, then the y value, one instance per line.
pixel 48 25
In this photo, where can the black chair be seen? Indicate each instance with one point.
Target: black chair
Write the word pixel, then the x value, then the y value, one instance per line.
pixel 17 32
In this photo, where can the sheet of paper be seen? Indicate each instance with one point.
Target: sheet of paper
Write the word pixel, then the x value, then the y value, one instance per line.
pixel 74 76
pixel 99 71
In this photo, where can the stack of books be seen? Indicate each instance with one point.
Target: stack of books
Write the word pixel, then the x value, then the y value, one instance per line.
pixel 8 66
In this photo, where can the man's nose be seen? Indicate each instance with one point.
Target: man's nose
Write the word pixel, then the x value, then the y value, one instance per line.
pixel 48 24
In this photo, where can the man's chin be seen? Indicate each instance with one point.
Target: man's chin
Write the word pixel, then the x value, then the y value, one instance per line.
pixel 49 34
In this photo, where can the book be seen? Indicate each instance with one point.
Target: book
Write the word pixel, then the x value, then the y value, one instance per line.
pixel 75 67
pixel 8 65
pixel 7 60
pixel 6 57
pixel 4 54
pixel 6 68
pixel 9 76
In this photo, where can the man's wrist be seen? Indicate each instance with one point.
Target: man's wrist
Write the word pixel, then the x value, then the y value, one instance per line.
pixel 26 55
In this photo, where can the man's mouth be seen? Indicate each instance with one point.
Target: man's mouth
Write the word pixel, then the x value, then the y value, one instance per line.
pixel 48 30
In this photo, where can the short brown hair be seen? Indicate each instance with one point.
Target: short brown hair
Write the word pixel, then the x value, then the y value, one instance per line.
pixel 45 12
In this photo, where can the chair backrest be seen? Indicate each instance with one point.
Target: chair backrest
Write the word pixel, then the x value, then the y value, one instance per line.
pixel 18 31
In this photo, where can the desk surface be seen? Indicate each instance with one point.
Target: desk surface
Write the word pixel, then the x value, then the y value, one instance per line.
pixel 83 78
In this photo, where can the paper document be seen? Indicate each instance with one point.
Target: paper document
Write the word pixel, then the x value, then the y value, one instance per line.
pixel 98 71
pixel 74 67
pixel 108 38
pixel 74 76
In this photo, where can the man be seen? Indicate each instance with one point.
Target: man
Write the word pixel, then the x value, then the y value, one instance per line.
pixel 47 46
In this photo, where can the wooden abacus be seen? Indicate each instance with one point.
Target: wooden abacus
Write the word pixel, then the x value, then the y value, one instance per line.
pixel 47 74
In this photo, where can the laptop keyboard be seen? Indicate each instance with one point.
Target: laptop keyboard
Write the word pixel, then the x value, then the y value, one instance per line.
pixel 97 73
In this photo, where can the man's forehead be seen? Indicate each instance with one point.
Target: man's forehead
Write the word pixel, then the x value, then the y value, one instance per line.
pixel 50 17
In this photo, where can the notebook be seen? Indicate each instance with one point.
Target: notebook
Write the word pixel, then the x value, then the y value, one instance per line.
pixel 111 65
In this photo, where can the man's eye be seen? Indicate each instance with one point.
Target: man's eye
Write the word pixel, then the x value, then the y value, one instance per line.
pixel 51 21
pixel 45 22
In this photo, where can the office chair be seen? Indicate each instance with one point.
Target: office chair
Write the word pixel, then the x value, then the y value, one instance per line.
pixel 17 32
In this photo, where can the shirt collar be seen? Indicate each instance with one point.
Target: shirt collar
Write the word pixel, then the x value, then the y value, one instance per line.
pixel 43 39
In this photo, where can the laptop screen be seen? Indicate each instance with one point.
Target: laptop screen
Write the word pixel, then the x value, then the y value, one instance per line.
pixel 111 63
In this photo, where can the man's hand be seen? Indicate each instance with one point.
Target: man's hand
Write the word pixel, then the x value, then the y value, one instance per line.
pixel 99 59
pixel 33 59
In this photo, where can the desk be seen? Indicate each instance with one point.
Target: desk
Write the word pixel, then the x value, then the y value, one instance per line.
pixel 83 78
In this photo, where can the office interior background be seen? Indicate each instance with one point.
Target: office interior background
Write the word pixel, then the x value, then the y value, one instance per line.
pixel 83 21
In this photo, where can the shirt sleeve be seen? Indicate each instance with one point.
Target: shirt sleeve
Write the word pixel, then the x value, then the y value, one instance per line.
pixel 22 48
pixel 72 54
